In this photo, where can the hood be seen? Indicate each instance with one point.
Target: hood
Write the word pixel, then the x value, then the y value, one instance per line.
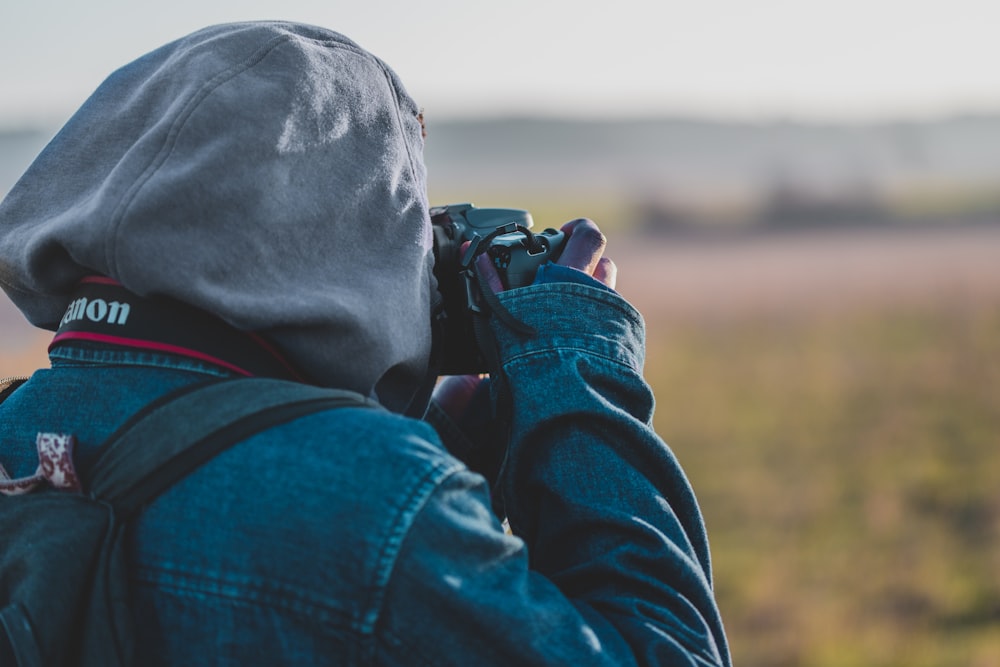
pixel 268 173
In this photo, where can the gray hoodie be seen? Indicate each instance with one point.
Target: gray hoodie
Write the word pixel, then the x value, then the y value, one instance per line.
pixel 269 173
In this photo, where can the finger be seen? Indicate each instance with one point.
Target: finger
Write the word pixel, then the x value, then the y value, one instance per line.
pixel 453 393
pixel 607 272
pixel 584 246
pixel 489 272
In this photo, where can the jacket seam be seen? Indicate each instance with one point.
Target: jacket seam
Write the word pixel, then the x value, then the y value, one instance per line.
pixel 603 297
pixel 256 594
pixel 170 142
pixel 419 495
pixel 584 353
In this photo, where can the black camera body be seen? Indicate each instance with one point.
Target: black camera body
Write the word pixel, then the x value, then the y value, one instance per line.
pixel 504 234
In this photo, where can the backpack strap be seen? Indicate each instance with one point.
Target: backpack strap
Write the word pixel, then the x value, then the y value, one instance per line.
pixel 173 436
pixel 9 385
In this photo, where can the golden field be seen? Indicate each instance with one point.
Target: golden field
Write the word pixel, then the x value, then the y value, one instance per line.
pixel 834 399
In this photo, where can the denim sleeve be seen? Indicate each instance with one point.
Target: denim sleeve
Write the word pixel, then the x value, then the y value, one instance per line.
pixel 557 273
pixel 609 561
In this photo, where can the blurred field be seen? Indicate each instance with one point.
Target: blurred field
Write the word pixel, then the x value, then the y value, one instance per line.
pixel 834 399
pixel 23 348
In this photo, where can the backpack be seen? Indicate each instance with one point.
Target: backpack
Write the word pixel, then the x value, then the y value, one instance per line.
pixel 63 585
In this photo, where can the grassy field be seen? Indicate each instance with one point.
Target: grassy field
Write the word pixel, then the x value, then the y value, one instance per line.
pixel 836 403
pixel 848 472
pixel 845 448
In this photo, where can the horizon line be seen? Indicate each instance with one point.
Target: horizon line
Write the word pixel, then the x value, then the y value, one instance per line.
pixel 37 125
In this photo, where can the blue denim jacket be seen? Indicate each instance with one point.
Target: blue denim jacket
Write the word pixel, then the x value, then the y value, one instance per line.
pixel 353 537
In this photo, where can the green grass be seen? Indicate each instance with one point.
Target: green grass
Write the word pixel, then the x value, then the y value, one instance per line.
pixel 849 472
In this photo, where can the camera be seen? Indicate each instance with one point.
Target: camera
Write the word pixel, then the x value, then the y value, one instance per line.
pixel 505 236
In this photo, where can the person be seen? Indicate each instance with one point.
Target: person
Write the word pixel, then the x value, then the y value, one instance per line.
pixel 257 191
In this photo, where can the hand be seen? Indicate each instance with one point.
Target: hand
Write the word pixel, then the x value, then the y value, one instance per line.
pixel 454 393
pixel 460 397
pixel 584 251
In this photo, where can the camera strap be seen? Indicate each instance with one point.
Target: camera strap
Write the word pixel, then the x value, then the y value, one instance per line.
pixel 102 311
pixel 477 247
pixel 483 303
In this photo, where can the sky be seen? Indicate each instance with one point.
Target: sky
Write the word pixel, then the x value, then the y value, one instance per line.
pixel 793 59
